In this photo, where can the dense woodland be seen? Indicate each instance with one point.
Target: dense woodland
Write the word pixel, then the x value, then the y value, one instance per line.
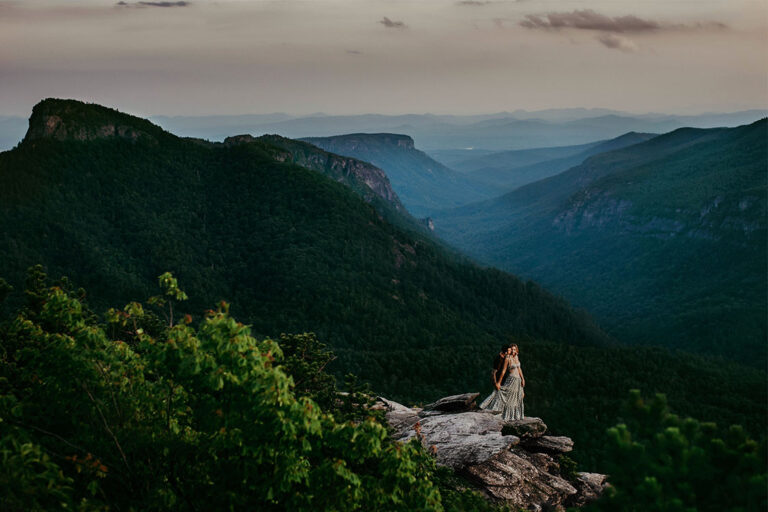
pixel 293 252
pixel 664 242
pixel 136 412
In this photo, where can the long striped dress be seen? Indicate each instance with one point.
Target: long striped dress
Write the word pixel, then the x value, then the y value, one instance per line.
pixel 509 399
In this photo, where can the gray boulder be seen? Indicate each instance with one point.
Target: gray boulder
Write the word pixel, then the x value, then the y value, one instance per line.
pixel 458 440
pixel 511 461
pixel 461 440
pixel 512 477
pixel 455 403
pixel 526 428
pixel 590 487
pixel 400 418
pixel 549 444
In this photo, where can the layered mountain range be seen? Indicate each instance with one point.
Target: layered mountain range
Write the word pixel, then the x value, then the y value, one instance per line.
pixel 497 132
pixel 300 239
pixel 424 184
pixel 665 240
pixel 112 201
pixel 513 169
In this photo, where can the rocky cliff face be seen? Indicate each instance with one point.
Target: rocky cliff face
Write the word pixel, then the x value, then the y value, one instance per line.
pixel 344 169
pixel 512 462
pixel 74 120
pixel 718 218
pixel 423 184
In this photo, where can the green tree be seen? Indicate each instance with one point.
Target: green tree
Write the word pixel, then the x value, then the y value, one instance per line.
pixel 196 418
pixel 662 463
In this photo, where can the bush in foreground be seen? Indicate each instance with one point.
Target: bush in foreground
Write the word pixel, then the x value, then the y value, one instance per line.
pixel 150 413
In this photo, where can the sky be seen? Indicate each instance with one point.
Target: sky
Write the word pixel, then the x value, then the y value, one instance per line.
pixel 202 57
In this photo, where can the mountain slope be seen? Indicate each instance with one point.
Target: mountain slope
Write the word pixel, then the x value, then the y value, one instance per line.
pixel 424 184
pixel 516 157
pixel 112 201
pixel 295 250
pixel 664 241
pixel 507 177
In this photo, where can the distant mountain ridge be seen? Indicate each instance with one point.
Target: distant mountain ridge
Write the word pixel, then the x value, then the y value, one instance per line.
pixel 665 241
pixel 470 162
pixel 510 178
pixel 498 132
pixel 431 132
pixel 424 184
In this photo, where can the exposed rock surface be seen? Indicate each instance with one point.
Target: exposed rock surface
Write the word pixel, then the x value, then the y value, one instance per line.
pixel 589 486
pixel 340 168
pixel 526 428
pixel 423 184
pixel 74 120
pixel 549 444
pixel 513 462
pixel 455 403
pixel 511 476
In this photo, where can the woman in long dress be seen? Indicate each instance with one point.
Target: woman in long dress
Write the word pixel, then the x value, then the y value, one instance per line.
pixel 508 396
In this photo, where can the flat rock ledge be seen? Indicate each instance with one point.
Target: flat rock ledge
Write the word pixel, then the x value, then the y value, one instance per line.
pixel 512 462
pixel 526 428
pixel 455 403
pixel 549 444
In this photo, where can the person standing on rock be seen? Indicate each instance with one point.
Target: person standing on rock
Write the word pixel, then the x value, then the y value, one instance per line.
pixel 509 381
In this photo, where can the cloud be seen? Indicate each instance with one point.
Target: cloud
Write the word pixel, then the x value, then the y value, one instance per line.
pixel 354 52
pixel 154 4
pixel 472 2
pixel 617 42
pixel 392 24
pixel 588 19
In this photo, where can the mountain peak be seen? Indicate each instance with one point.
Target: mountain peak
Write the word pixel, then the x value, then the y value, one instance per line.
pixel 366 139
pixel 63 119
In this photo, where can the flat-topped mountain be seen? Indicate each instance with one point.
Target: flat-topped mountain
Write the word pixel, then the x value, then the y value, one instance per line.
pixel 665 241
pixel 497 132
pixel 423 184
pixel 73 120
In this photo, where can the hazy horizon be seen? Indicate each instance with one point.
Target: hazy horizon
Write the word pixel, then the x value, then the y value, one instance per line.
pixel 300 115
pixel 344 57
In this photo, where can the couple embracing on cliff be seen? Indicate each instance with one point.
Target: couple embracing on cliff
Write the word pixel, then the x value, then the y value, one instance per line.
pixel 507 376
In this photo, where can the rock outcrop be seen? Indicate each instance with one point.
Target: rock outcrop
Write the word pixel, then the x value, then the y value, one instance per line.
pixel 78 121
pixel 366 178
pixel 510 461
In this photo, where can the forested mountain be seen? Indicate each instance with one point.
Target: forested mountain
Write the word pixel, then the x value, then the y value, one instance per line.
pixel 472 160
pixel 112 201
pixel 664 241
pixel 507 171
pixel 423 184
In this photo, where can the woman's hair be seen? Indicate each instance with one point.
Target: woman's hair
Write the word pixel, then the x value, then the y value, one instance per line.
pixel 514 345
pixel 504 348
